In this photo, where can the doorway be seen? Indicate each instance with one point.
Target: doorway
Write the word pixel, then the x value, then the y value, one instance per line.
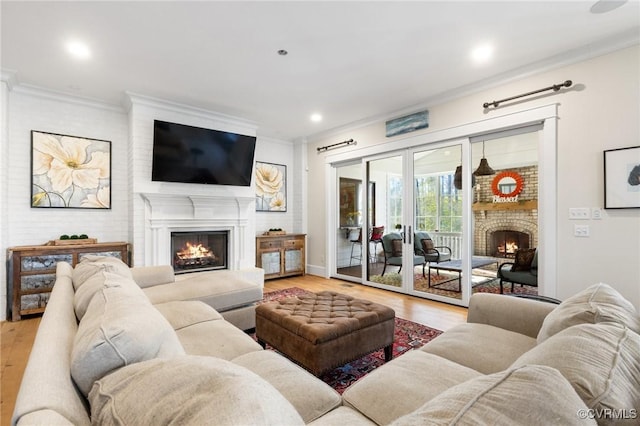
pixel 426 184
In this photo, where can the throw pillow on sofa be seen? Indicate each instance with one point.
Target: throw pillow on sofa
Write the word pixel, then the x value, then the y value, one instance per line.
pixel 120 327
pixel 91 265
pixel 188 390
pixel 532 395
pixel 601 361
pixel 84 293
pixel 598 303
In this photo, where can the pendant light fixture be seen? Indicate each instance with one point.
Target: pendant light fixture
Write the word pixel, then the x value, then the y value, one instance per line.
pixel 483 168
pixel 457 178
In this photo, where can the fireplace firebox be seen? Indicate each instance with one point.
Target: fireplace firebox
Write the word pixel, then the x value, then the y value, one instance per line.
pixel 505 243
pixel 199 250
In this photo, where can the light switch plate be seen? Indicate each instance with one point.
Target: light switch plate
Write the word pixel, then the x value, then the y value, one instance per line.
pixel 597 213
pixel 579 213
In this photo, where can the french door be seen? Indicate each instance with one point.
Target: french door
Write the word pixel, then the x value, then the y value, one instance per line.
pixel 420 208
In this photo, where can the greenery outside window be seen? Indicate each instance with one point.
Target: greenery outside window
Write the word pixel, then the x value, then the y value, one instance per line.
pixel 438 204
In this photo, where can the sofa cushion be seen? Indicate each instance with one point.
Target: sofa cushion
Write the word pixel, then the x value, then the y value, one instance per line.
pixel 148 276
pixel 403 385
pixel 310 396
pixel 215 338
pixel 188 390
pixel 601 361
pixel 96 282
pixel 92 264
pixel 532 395
pixel 483 347
pixel 598 303
pixel 222 290
pixel 120 327
pixel 346 416
pixel 184 313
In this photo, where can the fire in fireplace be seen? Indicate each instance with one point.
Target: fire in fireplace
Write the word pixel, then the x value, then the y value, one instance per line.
pixel 506 243
pixel 199 250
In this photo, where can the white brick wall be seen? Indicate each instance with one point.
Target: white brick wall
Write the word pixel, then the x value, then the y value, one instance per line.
pixel 280 152
pixel 38 110
pixel 130 132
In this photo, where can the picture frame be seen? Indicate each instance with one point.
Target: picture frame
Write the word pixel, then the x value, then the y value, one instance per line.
pixel 350 203
pixel 271 187
pixel 622 178
pixel 70 171
pixel 407 124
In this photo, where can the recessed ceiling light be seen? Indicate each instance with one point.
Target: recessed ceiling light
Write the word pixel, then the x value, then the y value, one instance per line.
pixel 316 118
pixel 604 6
pixel 282 52
pixel 78 49
pixel 482 54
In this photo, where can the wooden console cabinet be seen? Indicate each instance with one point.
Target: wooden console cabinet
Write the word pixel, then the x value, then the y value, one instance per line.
pixel 31 272
pixel 281 255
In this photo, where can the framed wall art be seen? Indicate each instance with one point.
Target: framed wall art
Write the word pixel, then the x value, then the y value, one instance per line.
pixel 622 178
pixel 70 172
pixel 271 187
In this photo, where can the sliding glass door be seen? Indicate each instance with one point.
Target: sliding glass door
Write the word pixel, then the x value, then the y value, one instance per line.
pixel 437 204
pixel 438 215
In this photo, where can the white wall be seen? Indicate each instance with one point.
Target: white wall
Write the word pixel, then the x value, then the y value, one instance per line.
pixel 24 110
pixel 599 112
pixel 280 152
pixel 39 110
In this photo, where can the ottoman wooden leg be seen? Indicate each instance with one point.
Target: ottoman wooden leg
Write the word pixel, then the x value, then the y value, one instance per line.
pixel 388 353
pixel 262 343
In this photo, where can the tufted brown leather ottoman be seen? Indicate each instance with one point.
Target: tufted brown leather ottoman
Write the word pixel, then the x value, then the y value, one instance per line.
pixel 324 330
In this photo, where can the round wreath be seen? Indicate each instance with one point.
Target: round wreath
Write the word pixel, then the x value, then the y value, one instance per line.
pixel 515 176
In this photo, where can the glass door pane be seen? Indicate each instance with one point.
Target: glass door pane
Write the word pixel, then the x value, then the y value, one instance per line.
pixel 349 241
pixel 386 242
pixel 505 209
pixel 438 223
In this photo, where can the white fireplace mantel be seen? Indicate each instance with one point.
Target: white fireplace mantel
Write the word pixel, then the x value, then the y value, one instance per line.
pixel 166 213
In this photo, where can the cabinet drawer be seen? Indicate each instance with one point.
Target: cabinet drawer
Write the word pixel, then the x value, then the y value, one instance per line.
pixel 34 301
pixel 43 262
pixel 116 254
pixel 37 282
pixel 289 244
pixel 270 244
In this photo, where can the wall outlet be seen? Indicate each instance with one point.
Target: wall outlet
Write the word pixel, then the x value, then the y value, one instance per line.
pixel 579 213
pixel 581 230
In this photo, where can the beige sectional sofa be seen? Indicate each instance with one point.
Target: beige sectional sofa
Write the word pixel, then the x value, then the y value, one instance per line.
pixel 106 353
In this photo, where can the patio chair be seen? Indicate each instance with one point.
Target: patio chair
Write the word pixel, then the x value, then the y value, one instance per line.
pixel 392 248
pixel 523 270
pixel 423 246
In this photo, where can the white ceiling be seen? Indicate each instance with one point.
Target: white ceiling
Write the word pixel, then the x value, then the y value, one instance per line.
pixel 350 61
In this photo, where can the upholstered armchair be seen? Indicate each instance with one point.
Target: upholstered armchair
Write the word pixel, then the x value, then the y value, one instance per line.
pixel 392 247
pixel 523 270
pixel 423 246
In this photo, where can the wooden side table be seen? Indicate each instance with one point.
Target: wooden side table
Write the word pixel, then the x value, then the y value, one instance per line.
pixel 31 272
pixel 281 255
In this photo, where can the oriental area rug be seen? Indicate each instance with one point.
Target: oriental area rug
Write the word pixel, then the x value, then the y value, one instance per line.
pixel 408 335
pixel 446 284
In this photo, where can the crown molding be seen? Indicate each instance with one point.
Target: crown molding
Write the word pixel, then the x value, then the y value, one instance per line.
pixel 131 99
pixel 612 44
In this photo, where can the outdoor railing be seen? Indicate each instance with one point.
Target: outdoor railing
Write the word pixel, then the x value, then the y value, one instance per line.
pixel 453 240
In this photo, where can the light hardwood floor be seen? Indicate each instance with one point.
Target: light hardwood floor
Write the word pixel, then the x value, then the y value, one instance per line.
pixel 17 337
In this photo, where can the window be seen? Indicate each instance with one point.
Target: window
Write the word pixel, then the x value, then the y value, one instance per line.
pixel 438 204
pixel 394 202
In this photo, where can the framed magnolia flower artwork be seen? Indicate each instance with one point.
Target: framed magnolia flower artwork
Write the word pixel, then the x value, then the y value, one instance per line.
pixel 271 187
pixel 70 172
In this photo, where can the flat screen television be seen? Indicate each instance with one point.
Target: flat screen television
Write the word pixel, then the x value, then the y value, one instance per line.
pixel 190 154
